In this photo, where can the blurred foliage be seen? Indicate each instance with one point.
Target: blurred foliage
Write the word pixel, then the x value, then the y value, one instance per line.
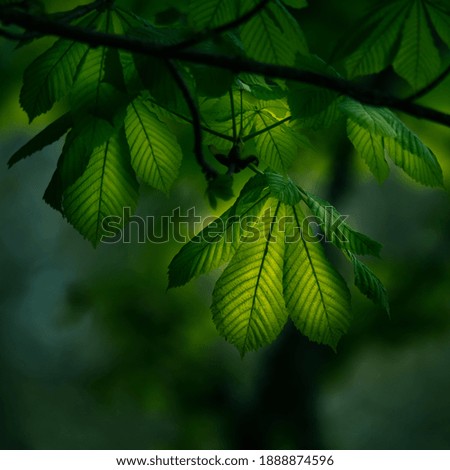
pixel 89 360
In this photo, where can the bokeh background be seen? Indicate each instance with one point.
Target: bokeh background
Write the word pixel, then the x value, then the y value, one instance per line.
pixel 95 353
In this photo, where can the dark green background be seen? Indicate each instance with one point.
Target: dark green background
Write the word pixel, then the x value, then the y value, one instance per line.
pixel 95 353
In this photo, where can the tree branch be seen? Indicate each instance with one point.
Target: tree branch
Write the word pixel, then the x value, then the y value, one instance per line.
pixel 431 86
pixel 235 64
pixel 209 172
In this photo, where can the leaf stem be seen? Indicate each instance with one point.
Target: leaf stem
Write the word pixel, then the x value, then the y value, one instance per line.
pixel 210 173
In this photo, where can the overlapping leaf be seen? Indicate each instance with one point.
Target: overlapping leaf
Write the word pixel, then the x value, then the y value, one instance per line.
pixel 107 186
pixel 211 13
pixel 51 76
pixel 401 34
pixel 47 136
pixel 273 35
pixel 316 296
pixel 248 305
pixel 369 284
pixel 337 231
pixel 155 153
pixel 377 133
pixel 216 243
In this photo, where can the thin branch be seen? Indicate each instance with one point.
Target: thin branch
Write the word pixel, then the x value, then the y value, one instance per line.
pixel 79 11
pixel 186 119
pixel 209 172
pixel 214 32
pixel 234 64
pixel 268 128
pixel 431 86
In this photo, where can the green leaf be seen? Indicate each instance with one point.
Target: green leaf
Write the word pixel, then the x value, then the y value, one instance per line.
pixel 273 35
pixel 441 22
pixel 296 3
pixel 314 107
pixel 367 117
pixel 107 186
pixel 374 128
pixel 155 153
pixel 375 52
pixel 91 90
pixel 50 77
pixel 337 231
pixel 47 136
pixel 418 60
pixel 370 147
pixel 366 128
pixel 211 13
pixel 276 143
pixel 248 306
pixel 369 284
pixel 316 296
pixel 87 134
pixel 409 153
pixel 217 242
pixel 283 188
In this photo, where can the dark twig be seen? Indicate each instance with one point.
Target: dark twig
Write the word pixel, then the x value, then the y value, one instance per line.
pixel 209 172
pixel 234 64
pixel 268 128
pixel 214 32
pixel 431 86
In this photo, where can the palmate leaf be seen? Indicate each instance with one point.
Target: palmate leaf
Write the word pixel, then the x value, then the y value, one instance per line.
pixel 248 306
pixel 316 296
pixel 374 128
pixel 337 231
pixel 155 153
pixel 375 52
pixel 401 34
pixel 47 136
pixel 369 284
pixel 217 242
pixel 107 186
pixel 272 35
pixel 51 75
pixel 418 60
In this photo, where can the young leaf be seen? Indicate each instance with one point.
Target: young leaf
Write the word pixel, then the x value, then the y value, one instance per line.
pixel 369 284
pixel 217 242
pixel 316 296
pixel 155 153
pixel 272 35
pixel 337 231
pixel 418 60
pixel 248 306
pixel 47 136
pixel 107 186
